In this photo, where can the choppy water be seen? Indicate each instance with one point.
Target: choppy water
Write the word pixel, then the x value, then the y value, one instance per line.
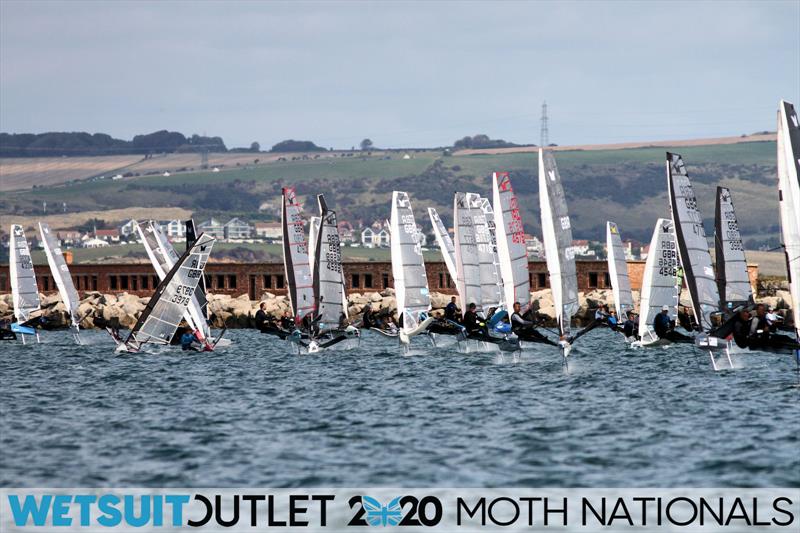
pixel 257 415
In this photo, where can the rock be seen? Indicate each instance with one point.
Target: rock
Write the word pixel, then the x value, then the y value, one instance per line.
pixel 439 300
pixel 388 291
pixel 50 299
pixel 375 297
pixel 267 296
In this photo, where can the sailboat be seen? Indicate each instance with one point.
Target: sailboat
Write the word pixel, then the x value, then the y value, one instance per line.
pixel 444 241
pixel 163 257
pixel 159 320
pixel 24 291
pixel 789 195
pixel 661 285
pixel 295 257
pixel 560 255
pixel 618 272
pixel 468 266
pixel 330 300
pixel 408 270
pixel 733 282
pixel 694 256
pixel 62 277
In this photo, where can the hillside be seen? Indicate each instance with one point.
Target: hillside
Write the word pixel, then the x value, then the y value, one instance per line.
pixel 624 185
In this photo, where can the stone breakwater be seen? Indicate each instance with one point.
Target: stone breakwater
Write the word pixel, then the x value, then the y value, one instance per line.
pixel 226 311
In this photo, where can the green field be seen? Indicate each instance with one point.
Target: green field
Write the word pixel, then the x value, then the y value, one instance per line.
pixel 624 185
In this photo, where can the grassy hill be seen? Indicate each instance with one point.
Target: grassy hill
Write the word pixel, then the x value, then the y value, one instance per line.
pixel 624 185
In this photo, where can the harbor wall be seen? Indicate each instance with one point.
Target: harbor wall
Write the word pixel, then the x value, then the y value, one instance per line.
pixel 254 279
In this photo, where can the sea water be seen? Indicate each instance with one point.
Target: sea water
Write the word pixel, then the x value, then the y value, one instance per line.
pixel 257 414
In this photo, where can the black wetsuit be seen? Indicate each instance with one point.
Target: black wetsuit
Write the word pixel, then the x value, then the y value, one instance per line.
pixel 451 312
pixel 262 320
pixel 471 322
pixel 629 328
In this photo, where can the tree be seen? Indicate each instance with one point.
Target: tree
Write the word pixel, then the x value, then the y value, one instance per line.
pixel 255 147
pixel 366 145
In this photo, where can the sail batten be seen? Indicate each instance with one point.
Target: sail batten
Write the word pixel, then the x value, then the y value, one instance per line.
pixel 25 293
pixel 408 265
pixel 511 250
pixel 693 252
pixel 733 283
pixel 295 256
pixel 557 234
pixel 618 271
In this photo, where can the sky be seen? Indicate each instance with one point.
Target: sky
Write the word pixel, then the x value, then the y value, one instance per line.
pixel 404 74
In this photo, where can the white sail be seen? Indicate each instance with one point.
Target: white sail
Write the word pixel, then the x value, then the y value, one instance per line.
pixel 159 320
pixel 557 233
pixel 295 256
pixel 408 265
pixel 618 271
pixel 60 271
pixel 24 291
pixel 692 243
pixel 511 251
pixel 789 195
pixel 163 257
pixel 444 241
pixel 733 282
pixel 660 279
pixel 328 278
pixel 491 291
pixel 468 269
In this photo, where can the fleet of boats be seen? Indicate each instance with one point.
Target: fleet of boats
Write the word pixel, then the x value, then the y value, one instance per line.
pixel 487 258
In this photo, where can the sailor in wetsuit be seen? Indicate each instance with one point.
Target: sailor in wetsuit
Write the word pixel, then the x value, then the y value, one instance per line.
pixel 367 320
pixel 451 310
pixel 629 326
pixel 472 322
pixel 188 340
pixel 287 322
pixel 662 324
pixel 262 320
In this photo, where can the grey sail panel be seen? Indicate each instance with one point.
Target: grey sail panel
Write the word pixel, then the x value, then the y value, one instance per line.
pixel 660 280
pixel 295 256
pixel 557 233
pixel 468 268
pixel 733 283
pixel 692 243
pixel 789 196
pixel 511 250
pixel 328 279
pixel 60 271
pixel 408 265
pixel 25 293
pixel 491 290
pixel 618 271
pixel 444 241
pixel 163 313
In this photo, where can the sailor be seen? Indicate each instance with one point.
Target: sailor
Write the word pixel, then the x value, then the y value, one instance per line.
pixel 188 339
pixel 367 321
pixel 599 313
pixel 629 326
pixel 287 322
pixel 471 321
pixel 451 310
pixel 611 319
pixel 759 327
pixel 517 322
pixel 262 321
pixel 773 317
pixel 741 328
pixel 662 324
